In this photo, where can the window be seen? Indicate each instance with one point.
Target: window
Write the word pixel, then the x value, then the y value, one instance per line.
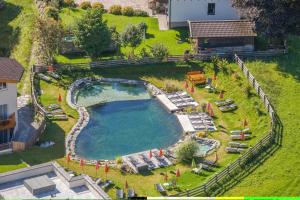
pixel 211 9
pixel 3 112
pixel 2 85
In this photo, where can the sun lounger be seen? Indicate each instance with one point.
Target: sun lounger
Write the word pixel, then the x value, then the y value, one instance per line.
pixel 228 108
pixel 237 145
pixel 237 132
pixel 44 77
pixel 53 107
pixel 53 75
pixel 238 137
pixel 131 193
pixel 119 194
pixel 210 163
pixel 234 150
pixel 224 102
pixel 106 184
pixel 159 188
pixel 206 167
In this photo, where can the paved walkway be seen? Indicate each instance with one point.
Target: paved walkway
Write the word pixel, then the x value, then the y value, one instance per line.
pixel 27 128
pixel 163 22
pixel 136 4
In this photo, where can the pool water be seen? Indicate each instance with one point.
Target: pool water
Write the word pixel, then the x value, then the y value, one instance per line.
pixel 130 121
pixel 203 149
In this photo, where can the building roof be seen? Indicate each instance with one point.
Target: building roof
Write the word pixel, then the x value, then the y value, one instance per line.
pixel 10 70
pixel 221 28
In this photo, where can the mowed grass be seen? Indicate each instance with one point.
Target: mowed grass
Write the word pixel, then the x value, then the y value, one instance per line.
pixel 176 39
pixel 159 75
pixel 16 25
pixel 279 175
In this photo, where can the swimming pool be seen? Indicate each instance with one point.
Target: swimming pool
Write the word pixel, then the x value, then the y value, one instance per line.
pixel 127 120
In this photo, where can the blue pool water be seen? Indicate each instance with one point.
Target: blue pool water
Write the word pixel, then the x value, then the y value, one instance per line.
pixel 130 121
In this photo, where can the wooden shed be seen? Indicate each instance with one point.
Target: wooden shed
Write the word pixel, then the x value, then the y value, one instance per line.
pixel 222 35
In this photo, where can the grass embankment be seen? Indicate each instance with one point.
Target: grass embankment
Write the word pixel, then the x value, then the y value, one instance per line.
pixel 16 25
pixel 176 39
pixel 158 75
pixel 279 175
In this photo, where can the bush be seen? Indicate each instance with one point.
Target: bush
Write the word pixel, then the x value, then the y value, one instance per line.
pixel 85 5
pixel 140 13
pixel 127 11
pixel 170 88
pixel 144 53
pixel 115 9
pixel 52 12
pixel 186 151
pixel 98 5
pixel 69 3
pixel 159 51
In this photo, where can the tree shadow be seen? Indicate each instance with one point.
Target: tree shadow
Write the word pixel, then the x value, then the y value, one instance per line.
pixel 183 34
pixel 8 35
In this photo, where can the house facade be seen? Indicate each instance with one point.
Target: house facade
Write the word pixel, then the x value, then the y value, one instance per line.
pixel 181 11
pixel 10 74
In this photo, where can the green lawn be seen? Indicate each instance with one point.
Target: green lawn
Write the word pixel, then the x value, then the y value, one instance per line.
pixel 16 22
pixel 158 75
pixel 279 175
pixel 170 38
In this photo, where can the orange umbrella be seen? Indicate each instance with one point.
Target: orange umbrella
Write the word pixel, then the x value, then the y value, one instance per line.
pixel 242 136
pixel 97 167
pixel 192 89
pixel 208 107
pixel 186 85
pixel 126 185
pixel 161 153
pixel 106 169
pixel 211 113
pixel 217 157
pixel 221 96
pixel 177 173
pixel 68 157
pixel 50 68
pixel 245 123
pixel 82 163
pixel 59 98
pixel 150 154
pixel 166 177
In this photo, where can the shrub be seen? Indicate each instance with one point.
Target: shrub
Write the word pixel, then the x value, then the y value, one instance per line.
pixel 98 5
pixel 186 151
pixel 52 12
pixel 170 88
pixel 115 9
pixel 140 13
pixel 159 51
pixel 69 3
pixel 85 5
pixel 144 53
pixel 127 11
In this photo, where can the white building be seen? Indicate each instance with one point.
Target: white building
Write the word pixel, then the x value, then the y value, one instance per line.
pixel 10 74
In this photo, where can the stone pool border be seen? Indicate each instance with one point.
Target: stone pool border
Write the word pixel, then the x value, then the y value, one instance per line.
pixel 84 116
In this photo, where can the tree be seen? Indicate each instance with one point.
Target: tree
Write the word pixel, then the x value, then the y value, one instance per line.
pixel 273 18
pixel 186 151
pixel 132 37
pixel 159 51
pixel 48 35
pixel 92 33
pixel 1 4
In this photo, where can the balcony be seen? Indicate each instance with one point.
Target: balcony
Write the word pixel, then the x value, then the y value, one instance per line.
pixel 8 123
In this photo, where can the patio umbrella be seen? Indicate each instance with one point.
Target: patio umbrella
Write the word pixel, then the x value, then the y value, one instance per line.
pixel 245 123
pixel 177 173
pixel 106 169
pixel 186 85
pixel 68 158
pixel 59 98
pixel 193 163
pixel 97 166
pixel 208 107
pixel 82 163
pixel 214 77
pixel 161 153
pixel 242 136
pixel 126 185
pixel 150 154
pixel 217 157
pixel 221 96
pixel 192 89
pixel 50 68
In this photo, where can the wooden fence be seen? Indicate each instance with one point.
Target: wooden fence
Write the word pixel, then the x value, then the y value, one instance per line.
pixel 213 185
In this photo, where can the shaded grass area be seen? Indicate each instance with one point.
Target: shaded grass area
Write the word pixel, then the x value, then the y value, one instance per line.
pixel 176 39
pixel 279 175
pixel 16 25
pixel 158 74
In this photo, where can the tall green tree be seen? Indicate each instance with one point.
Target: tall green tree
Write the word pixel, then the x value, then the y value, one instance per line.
pixel 132 37
pixel 48 35
pixel 273 18
pixel 92 33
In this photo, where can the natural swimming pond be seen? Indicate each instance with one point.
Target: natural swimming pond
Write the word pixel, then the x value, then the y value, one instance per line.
pixel 129 121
